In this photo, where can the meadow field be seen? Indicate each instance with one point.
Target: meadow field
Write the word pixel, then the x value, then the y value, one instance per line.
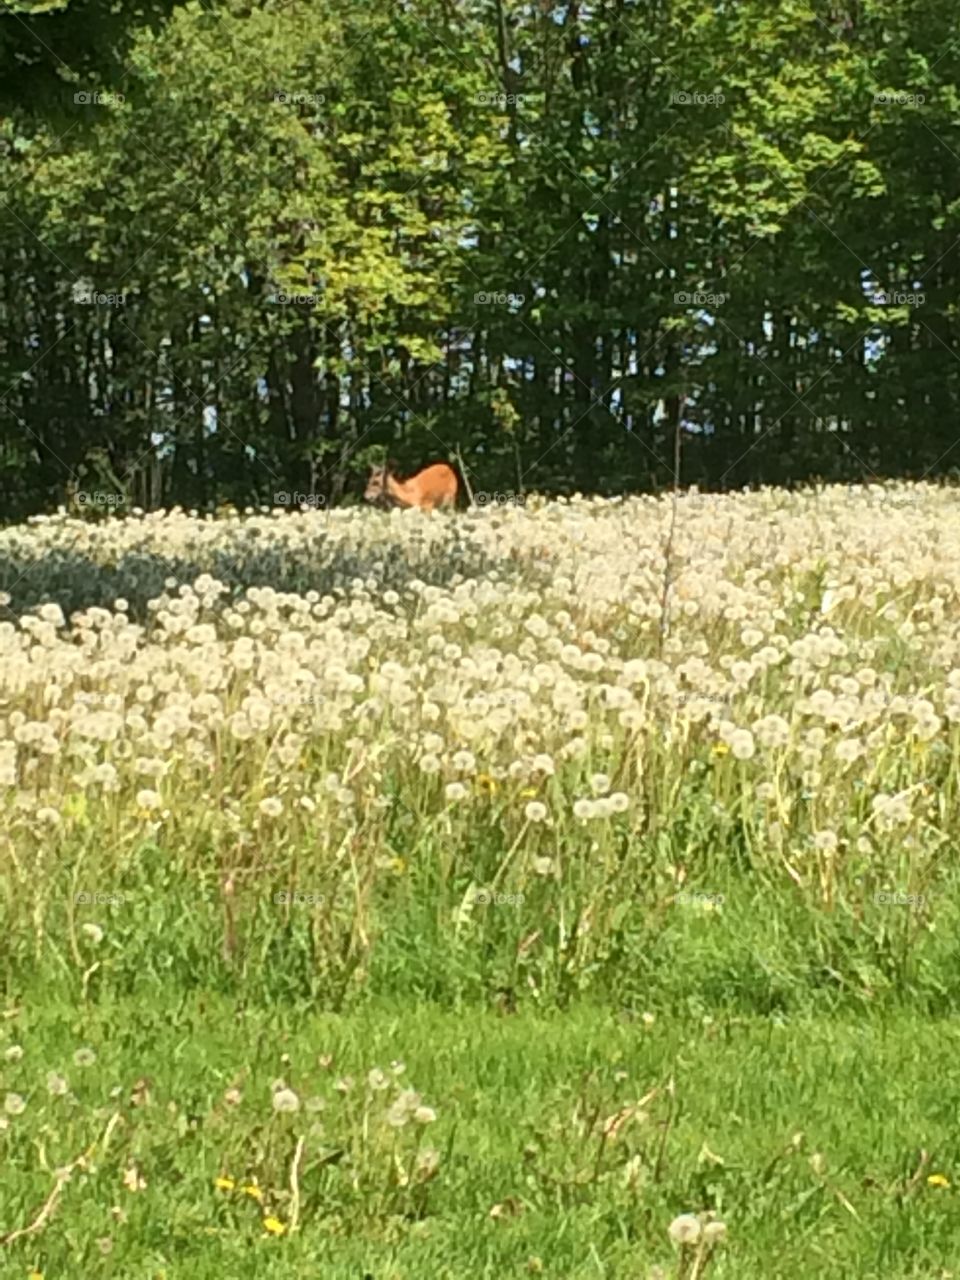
pixel 560 888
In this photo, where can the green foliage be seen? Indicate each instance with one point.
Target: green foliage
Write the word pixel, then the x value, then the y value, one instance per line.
pixel 583 216
pixel 49 49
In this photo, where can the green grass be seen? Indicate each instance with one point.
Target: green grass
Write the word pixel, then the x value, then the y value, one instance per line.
pixel 521 1101
pixel 613 930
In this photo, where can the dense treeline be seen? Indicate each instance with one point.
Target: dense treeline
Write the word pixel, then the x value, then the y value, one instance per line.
pixel 245 248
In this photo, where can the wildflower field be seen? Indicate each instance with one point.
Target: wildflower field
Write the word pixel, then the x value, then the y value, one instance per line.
pixel 559 888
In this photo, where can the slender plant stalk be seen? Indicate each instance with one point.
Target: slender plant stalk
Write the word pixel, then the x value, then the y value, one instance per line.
pixel 466 478
pixel 668 548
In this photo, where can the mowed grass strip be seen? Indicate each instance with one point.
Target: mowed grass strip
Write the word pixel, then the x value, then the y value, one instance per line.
pixel 402 1141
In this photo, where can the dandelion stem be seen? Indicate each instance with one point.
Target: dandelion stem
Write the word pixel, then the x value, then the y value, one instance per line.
pixel 700 1259
pixel 295 1186
pixel 509 854
pixel 62 1177
pixel 657 1168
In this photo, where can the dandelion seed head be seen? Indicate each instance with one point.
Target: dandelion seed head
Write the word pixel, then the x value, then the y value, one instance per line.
pixel 685 1229
pixel 285 1100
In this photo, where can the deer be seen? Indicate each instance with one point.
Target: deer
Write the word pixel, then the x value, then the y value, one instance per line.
pixel 434 486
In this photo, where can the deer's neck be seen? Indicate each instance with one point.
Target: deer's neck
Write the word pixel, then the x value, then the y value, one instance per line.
pixel 399 492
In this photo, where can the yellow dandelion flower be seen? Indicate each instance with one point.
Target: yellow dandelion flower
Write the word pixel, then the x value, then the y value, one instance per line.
pixel 224 1184
pixel 528 793
pixel 274 1226
pixel 34 1275
pixel 720 749
pixel 76 807
pixel 253 1191
pixel 398 865
pixel 486 783
pixel 937 1180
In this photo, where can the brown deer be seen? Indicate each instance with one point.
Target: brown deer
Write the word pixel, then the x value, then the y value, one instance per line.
pixel 435 486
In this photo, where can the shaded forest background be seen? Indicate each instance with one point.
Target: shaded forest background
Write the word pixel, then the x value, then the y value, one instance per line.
pixel 246 249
